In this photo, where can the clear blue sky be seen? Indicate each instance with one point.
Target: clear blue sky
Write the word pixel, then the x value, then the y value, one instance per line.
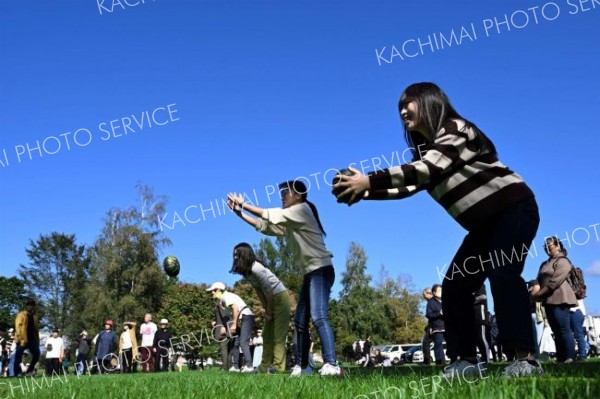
pixel 268 91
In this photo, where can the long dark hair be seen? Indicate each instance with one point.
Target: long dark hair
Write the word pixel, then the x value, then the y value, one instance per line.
pixel 300 188
pixel 435 110
pixel 555 241
pixel 245 259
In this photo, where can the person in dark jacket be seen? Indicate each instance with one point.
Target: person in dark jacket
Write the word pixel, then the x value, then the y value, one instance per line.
pixel 106 344
pixel 482 323
pixel 427 338
pixel 222 335
pixel 435 315
pixel 161 346
pixel 83 349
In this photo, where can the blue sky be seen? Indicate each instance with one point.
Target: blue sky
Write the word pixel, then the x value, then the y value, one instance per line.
pixel 262 92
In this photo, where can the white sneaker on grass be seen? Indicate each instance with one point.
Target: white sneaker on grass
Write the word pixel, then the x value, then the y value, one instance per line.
pixel 298 371
pixel 523 368
pixel 234 369
pixel 330 369
pixel 464 368
pixel 247 369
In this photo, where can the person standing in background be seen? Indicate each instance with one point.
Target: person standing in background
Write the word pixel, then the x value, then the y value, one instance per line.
pixel 27 337
pixel 162 346
pixel 83 349
pixel 147 330
pixel 427 338
pixel 435 315
pixel 55 353
pixel 577 318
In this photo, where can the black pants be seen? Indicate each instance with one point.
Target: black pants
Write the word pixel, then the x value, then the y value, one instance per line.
pixel 52 367
pixel 496 251
pixel 161 361
pixel 126 360
pixel 426 345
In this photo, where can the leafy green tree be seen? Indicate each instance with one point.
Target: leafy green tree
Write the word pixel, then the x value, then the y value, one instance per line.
pixel 12 297
pixel 57 273
pixel 279 258
pixel 127 281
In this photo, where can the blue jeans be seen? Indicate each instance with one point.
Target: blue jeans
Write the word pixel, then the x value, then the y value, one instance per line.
pixel 313 302
pixel 242 341
pixel 577 319
pixel 34 349
pixel 496 251
pixel 559 318
pixel 11 365
pixel 438 348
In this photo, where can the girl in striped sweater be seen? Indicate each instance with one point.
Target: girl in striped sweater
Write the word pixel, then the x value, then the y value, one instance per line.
pixel 458 166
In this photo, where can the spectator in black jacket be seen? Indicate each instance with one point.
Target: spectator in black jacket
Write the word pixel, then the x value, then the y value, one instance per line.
pixel 435 315
pixel 161 346
pixel 427 338
pixel 482 323
pixel 83 349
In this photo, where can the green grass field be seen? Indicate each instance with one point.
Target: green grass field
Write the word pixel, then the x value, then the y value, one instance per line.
pixel 573 381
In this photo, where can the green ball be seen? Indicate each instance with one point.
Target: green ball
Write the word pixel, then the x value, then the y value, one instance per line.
pixel 171 266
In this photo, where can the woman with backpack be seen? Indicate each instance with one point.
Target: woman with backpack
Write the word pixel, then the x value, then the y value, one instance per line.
pixel 557 297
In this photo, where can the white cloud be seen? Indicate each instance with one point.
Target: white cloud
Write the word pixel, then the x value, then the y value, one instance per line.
pixel 594 269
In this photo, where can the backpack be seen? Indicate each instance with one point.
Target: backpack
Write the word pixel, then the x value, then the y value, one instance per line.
pixel 576 281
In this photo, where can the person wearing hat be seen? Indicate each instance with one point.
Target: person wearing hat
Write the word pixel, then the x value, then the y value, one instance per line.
pixel 106 343
pixel 242 323
pixel 55 353
pixel 128 347
pixel 162 346
pixel 27 336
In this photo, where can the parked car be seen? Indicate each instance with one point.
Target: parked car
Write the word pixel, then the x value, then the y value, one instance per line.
pixel 407 357
pixel 418 354
pixel 394 352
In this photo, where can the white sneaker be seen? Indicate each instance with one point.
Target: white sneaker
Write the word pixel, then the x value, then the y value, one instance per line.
pixel 464 368
pixel 247 369
pixel 297 371
pixel 522 368
pixel 330 369
pixel 234 369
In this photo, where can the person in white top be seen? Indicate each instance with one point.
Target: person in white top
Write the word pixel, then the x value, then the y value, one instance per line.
pixel 298 220
pixel 55 352
pixel 242 324
pixel 128 348
pixel 147 329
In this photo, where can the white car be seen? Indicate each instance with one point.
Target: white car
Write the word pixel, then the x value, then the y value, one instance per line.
pixel 418 355
pixel 394 352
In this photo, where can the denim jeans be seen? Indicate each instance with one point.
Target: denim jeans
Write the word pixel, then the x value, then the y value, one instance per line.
pixel 34 349
pixel 577 319
pixel 559 318
pixel 242 341
pixel 313 302
pixel 11 365
pixel 438 348
pixel 81 364
pixel 496 251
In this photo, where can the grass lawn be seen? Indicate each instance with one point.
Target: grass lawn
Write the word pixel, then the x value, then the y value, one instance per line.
pixel 574 381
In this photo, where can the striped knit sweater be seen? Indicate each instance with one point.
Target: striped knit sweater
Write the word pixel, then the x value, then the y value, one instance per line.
pixel 471 187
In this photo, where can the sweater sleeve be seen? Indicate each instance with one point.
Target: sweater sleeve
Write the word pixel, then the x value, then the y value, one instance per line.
pixel 274 220
pixel 451 150
pixel 394 193
pixel 561 268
